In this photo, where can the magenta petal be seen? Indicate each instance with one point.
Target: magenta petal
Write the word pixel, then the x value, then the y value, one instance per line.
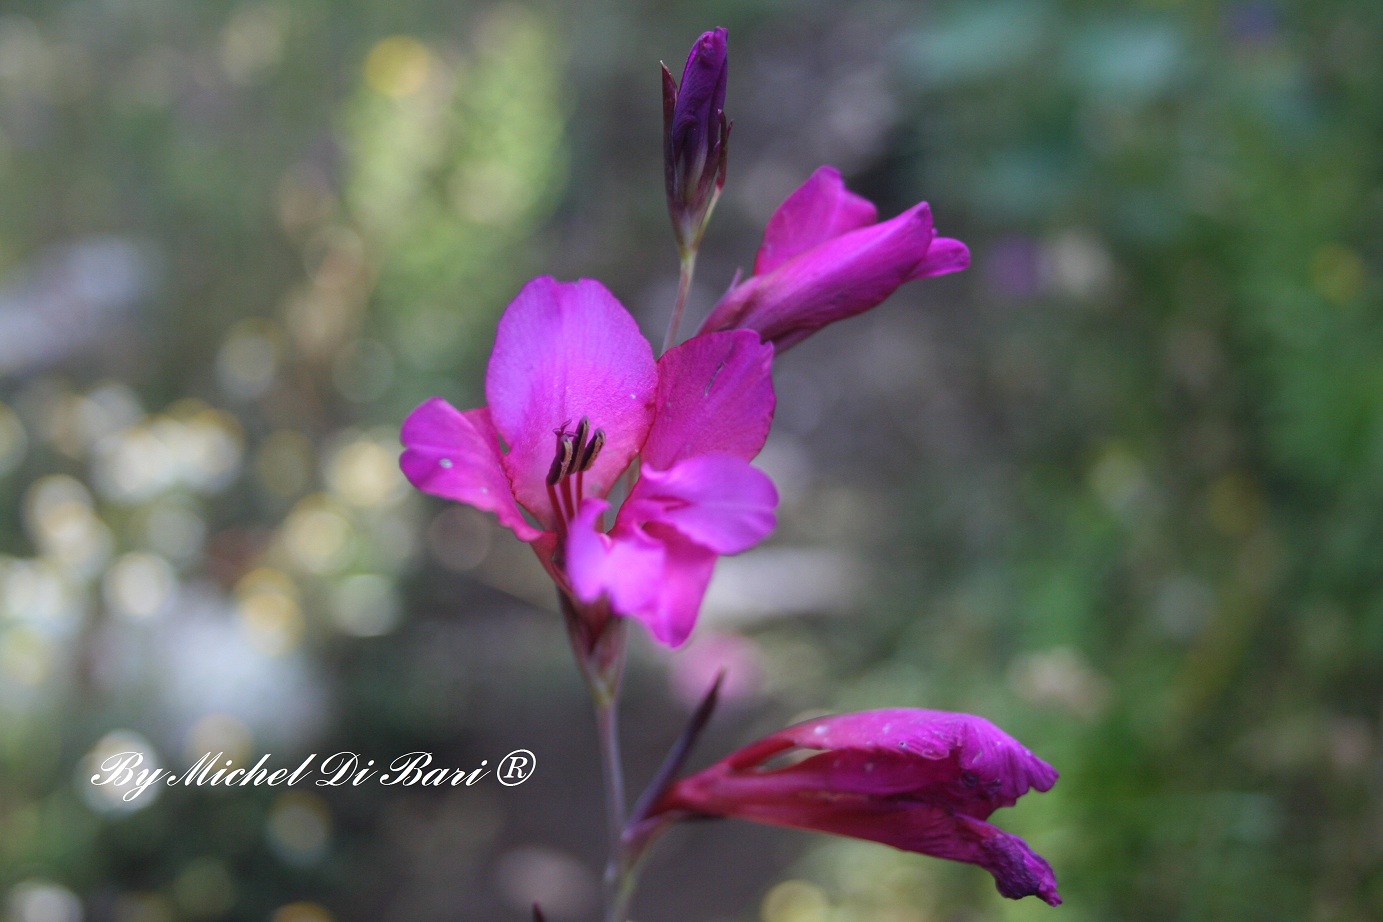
pixel 564 351
pixel 820 209
pixel 715 394
pixel 844 276
pixel 718 501
pixel 653 576
pixel 456 455
pixel 1018 870
pixel 944 256
pixel 923 781
pixel 626 572
pixel 686 573
pixel 920 738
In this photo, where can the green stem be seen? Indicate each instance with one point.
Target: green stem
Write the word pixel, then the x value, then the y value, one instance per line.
pixel 598 641
pixel 622 882
pixel 683 290
pixel 607 727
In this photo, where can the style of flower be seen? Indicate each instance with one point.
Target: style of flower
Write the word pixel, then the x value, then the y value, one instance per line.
pixel 921 781
pixel 696 136
pixel 824 258
pixel 575 399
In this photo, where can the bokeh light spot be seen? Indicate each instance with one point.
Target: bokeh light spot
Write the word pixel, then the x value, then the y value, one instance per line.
pixel 301 912
pixel 223 733
pixel 205 889
pixel 267 603
pixel 397 66
pixel 249 358
pixel 42 901
pixel 1338 273
pixel 110 798
pixel 299 827
pixel 140 585
pixel 317 536
pixel 143 907
pixel 795 901
pixel 26 657
pixel 365 473
pixel 366 605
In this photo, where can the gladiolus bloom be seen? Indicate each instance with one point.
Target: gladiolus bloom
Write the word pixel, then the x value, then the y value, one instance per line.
pixel 824 258
pixel 921 781
pixel 574 399
pixel 696 136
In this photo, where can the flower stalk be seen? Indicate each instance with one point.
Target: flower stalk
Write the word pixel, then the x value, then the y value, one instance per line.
pixel 688 268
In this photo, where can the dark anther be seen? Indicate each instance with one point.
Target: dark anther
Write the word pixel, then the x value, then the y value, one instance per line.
pixel 592 450
pixel 554 473
pixel 576 451
pixel 562 463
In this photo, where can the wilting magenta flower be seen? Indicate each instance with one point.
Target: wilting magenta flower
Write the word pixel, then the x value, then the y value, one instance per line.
pixel 922 781
pixel 696 136
pixel 575 397
pixel 824 258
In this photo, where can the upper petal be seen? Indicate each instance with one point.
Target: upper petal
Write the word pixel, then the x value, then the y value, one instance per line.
pixel 944 256
pixel 818 210
pixel 567 350
pixel 715 394
pixel 961 759
pixel 457 456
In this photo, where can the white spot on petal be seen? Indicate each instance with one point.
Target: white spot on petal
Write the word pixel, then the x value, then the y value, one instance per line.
pixel 444 462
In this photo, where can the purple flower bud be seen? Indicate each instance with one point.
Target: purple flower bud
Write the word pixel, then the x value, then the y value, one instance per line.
pixel 921 781
pixel 695 137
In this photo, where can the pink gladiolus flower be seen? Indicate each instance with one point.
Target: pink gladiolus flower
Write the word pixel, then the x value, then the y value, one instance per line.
pixel 824 258
pixel 575 397
pixel 921 781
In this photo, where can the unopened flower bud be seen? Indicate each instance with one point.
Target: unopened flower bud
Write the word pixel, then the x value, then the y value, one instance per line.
pixel 695 137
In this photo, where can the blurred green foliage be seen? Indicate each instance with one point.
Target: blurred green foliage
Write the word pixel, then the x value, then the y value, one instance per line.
pixel 1119 487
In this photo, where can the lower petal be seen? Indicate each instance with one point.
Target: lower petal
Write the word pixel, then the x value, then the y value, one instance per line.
pixel 687 569
pixel 626 570
pixel 653 576
pixel 718 501
pixel 1018 871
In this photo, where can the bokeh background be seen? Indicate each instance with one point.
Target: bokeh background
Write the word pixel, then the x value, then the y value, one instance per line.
pixel 1118 487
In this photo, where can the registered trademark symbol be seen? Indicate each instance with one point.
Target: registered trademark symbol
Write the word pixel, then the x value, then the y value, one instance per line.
pixel 516 768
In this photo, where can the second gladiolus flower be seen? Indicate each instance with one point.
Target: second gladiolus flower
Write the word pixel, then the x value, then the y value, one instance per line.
pixel 825 257
pixel 921 781
pixel 575 397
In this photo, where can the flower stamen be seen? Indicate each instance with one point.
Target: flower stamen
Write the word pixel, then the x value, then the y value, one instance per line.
pixel 575 453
